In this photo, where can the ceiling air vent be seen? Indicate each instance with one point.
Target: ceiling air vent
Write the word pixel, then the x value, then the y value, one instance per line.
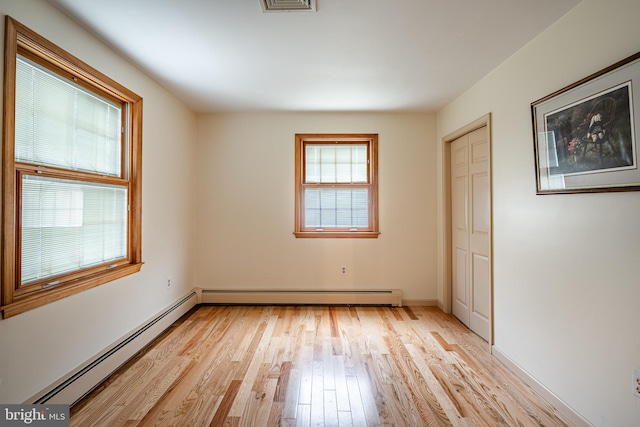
pixel 288 5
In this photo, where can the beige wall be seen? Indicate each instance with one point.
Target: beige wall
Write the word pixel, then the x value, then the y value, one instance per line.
pixel 40 346
pixel 245 206
pixel 566 267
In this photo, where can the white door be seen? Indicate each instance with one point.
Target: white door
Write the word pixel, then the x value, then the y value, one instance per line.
pixel 471 231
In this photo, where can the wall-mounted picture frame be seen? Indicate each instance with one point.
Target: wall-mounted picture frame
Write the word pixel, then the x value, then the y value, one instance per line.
pixel 585 134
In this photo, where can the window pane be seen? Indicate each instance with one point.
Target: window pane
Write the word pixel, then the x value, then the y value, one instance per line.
pixel 340 163
pixel 331 207
pixel 69 225
pixel 60 124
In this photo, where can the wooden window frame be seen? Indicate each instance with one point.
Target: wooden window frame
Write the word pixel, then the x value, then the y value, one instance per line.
pixel 16 299
pixel 372 231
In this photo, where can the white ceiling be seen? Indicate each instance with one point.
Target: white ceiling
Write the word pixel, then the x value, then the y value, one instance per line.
pixel 349 55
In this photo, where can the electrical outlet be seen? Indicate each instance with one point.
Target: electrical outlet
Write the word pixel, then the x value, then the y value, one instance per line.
pixel 343 270
pixel 636 383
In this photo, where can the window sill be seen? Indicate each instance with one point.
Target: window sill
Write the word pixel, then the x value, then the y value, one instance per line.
pixel 338 234
pixel 45 296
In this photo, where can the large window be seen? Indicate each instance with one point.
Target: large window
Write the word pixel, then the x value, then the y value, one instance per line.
pixel 71 174
pixel 336 185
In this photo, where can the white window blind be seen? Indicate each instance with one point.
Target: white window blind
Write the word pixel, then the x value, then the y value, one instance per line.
pixel 63 125
pixel 336 206
pixel 339 163
pixel 69 225
pixel 333 207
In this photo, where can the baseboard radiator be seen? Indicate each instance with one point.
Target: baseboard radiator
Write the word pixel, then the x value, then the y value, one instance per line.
pixel 388 297
pixel 77 384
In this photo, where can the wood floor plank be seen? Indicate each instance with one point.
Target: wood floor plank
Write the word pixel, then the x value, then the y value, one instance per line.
pixel 441 396
pixel 251 363
pixel 317 394
pixel 153 391
pixel 225 406
pixel 303 418
pixel 305 362
pixel 114 391
pixel 344 419
pixel 367 391
pixel 355 401
pixel 266 402
pixel 292 395
pixel 429 408
pixel 392 398
pixel 283 382
pixel 342 395
pixel 315 366
pixel 330 407
pixel 276 418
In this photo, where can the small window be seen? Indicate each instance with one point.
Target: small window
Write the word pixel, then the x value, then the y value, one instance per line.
pixel 72 178
pixel 336 185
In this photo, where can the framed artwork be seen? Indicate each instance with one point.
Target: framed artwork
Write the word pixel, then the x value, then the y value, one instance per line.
pixel 585 134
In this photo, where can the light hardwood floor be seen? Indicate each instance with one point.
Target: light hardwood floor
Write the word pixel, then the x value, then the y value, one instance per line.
pixel 315 366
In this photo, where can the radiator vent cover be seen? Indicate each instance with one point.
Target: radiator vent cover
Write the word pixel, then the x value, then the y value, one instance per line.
pixel 392 297
pixel 288 5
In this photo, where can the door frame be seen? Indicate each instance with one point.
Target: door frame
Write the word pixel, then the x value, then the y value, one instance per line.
pixel 447 210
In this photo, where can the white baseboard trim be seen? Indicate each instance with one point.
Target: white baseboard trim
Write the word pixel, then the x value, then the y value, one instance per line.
pixel 391 297
pixel 81 381
pixel 572 416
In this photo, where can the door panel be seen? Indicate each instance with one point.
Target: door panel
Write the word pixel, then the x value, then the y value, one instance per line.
pixel 481 310
pixel 460 195
pixel 461 286
pixel 481 222
pixel 471 231
pixel 460 229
